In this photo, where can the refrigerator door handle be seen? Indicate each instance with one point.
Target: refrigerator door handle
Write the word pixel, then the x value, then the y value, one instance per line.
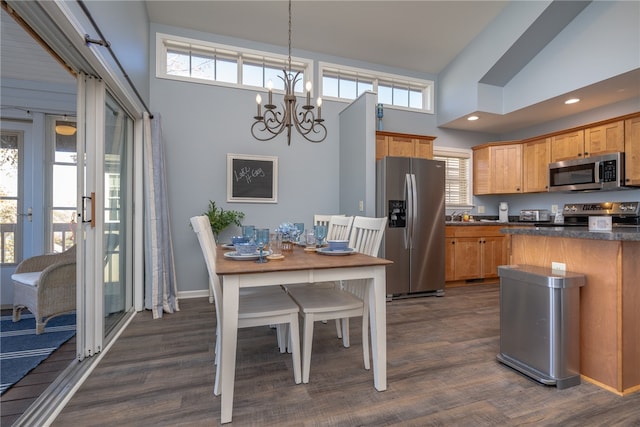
pixel 408 212
pixel 414 208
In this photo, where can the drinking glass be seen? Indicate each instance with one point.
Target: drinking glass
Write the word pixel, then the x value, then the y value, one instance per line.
pixel 300 227
pixel 262 240
pixel 320 232
pixel 275 245
pixel 248 231
pixel 310 239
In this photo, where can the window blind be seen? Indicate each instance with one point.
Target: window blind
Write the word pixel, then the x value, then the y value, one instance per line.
pixel 457 177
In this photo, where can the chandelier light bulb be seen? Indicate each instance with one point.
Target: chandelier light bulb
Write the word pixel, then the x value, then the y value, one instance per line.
pixel 258 101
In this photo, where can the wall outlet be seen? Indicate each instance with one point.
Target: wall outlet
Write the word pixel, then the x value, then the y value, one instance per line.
pixel 361 205
pixel 480 209
pixel 559 266
pixel 554 208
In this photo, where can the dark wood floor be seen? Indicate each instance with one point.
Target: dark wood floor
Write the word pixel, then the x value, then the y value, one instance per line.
pixel 441 371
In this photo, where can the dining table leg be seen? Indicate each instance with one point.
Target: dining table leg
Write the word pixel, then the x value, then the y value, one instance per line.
pixel 229 307
pixel 378 320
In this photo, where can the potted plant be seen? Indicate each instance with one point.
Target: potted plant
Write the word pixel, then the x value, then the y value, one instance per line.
pixel 221 219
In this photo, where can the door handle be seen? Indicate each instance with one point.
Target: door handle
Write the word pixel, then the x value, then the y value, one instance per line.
pixel 83 218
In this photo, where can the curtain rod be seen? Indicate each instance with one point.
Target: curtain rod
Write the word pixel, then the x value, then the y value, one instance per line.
pixel 103 42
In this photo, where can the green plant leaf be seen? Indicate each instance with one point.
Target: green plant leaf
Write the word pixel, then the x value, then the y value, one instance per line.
pixel 219 219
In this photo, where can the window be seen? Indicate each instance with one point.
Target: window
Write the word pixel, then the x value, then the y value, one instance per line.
pixel 10 165
pixel 346 83
pixel 457 175
pixel 211 63
pixel 63 188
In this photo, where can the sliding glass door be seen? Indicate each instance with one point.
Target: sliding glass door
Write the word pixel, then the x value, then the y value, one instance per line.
pixel 117 165
pixel 105 141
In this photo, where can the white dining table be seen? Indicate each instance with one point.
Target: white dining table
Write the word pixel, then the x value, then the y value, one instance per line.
pixel 298 266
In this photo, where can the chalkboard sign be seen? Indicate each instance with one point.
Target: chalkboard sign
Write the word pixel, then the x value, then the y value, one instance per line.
pixel 252 179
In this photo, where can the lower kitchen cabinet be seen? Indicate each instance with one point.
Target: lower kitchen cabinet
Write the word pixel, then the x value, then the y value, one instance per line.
pixel 474 252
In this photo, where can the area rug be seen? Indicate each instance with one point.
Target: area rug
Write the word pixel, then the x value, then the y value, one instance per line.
pixel 21 350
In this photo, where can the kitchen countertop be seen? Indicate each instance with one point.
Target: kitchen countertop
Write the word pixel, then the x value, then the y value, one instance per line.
pixel 489 222
pixel 618 233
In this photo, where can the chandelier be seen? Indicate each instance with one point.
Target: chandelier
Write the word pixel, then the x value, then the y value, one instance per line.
pixel 274 121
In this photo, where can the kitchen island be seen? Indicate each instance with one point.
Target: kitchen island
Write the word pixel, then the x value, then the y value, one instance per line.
pixel 609 302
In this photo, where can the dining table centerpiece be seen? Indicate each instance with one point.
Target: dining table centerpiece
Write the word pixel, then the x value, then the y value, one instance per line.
pixel 289 233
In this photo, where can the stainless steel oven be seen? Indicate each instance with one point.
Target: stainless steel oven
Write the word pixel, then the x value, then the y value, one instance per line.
pixel 604 172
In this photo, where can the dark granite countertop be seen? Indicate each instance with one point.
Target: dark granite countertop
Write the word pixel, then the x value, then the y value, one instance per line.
pixel 489 222
pixel 618 233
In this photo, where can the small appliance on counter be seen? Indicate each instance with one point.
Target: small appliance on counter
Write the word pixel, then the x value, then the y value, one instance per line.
pixel 503 212
pixel 534 215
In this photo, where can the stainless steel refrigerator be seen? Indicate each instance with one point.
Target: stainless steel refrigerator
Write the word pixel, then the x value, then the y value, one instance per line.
pixel 410 194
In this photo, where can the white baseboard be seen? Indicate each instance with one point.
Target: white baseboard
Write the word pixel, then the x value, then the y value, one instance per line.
pixel 193 294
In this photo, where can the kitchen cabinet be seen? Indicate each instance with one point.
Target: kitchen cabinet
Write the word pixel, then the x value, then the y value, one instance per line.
pixel 591 141
pixel 632 151
pixel 497 168
pixel 603 139
pixel 474 251
pixel 403 145
pixel 567 146
pixel 536 156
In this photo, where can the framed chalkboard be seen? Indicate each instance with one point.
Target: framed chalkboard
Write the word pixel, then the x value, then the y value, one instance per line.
pixel 252 179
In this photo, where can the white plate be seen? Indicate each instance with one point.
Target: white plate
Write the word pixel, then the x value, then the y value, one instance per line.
pixel 228 246
pixel 237 256
pixel 327 251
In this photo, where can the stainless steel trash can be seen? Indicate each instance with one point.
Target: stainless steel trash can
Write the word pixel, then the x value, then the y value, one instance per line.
pixel 540 323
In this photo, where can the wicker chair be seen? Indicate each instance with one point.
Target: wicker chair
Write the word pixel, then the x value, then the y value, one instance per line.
pixel 46 286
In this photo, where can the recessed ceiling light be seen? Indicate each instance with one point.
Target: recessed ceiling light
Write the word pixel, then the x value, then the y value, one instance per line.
pixel 572 101
pixel 472 118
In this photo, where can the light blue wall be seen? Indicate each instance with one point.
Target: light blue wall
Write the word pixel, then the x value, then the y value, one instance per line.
pixel 357 156
pixel 201 125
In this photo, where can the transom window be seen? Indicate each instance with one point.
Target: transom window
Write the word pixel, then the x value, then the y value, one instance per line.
pixel 195 60
pixel 457 175
pixel 347 83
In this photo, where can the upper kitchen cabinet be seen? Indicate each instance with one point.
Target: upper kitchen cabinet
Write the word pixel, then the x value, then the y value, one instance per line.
pixel 403 145
pixel 632 151
pixel 567 146
pixel 497 168
pixel 590 141
pixel 607 138
pixel 536 156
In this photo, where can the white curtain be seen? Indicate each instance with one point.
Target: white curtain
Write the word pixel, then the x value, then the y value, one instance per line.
pixel 161 291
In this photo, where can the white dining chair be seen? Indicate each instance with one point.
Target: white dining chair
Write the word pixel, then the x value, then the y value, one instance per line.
pixel 349 299
pixel 320 219
pixel 339 227
pixel 260 307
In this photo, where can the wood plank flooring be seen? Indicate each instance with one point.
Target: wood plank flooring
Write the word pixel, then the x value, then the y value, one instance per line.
pixel 441 371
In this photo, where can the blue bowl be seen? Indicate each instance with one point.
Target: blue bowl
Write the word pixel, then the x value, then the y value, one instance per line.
pixel 239 239
pixel 245 248
pixel 338 245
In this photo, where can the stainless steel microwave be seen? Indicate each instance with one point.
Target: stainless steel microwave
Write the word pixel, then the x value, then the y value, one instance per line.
pixel 604 172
